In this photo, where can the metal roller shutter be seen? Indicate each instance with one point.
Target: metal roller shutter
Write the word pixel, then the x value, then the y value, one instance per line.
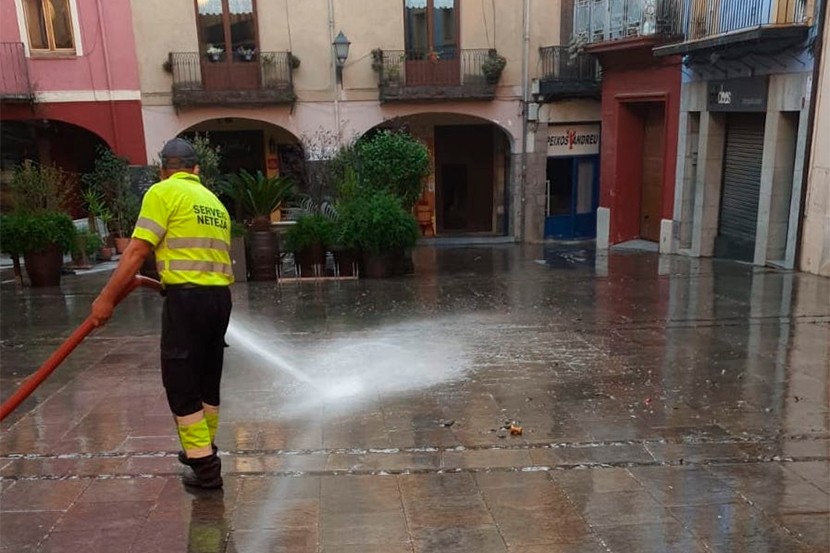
pixel 741 186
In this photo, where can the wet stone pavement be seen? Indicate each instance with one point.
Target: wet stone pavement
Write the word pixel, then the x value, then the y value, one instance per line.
pixel 666 405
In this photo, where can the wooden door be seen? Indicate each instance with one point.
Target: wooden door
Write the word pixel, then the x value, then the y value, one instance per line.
pixel 652 181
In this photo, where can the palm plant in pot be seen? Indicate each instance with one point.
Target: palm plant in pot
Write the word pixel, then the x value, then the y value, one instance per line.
pixel 259 195
pixel 377 224
pixel 308 238
pixel 38 228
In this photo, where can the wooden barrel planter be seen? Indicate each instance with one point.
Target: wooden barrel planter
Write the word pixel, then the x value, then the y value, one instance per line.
pixel 263 255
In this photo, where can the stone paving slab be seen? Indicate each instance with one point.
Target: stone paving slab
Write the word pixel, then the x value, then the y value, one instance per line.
pixel 667 404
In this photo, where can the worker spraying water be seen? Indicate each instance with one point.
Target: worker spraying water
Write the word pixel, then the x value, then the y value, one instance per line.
pixel 189 230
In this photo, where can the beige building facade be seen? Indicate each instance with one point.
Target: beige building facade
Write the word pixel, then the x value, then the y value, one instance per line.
pixel 263 79
pixel 815 239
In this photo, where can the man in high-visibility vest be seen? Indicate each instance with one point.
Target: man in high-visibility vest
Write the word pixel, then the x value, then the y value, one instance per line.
pixel 190 231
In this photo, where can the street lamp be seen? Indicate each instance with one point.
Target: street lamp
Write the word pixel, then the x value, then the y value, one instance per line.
pixel 341 52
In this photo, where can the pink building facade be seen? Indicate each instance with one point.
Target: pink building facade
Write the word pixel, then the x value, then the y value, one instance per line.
pixel 69 82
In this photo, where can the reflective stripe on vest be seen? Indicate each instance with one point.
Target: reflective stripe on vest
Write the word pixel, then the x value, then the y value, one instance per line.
pixel 207 243
pixel 200 266
pixel 152 226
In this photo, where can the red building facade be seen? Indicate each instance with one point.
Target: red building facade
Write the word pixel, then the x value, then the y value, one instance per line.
pixel 640 114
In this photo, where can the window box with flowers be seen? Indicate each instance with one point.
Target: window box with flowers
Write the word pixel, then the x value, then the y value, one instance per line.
pixel 246 54
pixel 214 53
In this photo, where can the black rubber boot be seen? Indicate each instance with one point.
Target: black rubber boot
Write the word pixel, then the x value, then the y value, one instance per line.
pixel 207 473
pixel 183 459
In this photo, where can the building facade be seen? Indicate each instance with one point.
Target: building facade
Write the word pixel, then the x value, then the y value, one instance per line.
pixel 815 237
pixel 262 79
pixel 69 82
pixel 744 120
pixel 562 183
pixel 639 114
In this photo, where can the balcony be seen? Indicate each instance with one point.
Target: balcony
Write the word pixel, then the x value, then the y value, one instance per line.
pixel 715 24
pixel 413 75
pixel 565 76
pixel 14 74
pixel 198 79
pixel 599 21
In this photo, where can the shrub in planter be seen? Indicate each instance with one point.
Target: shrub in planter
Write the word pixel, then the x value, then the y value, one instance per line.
pixel 378 225
pixel 308 239
pixel 86 244
pixel 395 162
pixel 257 195
pixel 42 239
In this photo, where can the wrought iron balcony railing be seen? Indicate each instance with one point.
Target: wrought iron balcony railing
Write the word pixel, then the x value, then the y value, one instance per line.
pixel 605 20
pixel 14 73
pixel 448 74
pixel 259 78
pixel 568 76
pixel 709 18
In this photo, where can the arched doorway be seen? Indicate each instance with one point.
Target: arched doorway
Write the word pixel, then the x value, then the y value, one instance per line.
pixel 66 146
pixel 252 145
pixel 467 191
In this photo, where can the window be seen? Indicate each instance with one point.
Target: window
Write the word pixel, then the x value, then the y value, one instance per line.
pixel 432 27
pixel 227 29
pixel 49 25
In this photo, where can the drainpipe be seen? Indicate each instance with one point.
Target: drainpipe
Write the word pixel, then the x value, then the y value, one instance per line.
pixel 113 115
pixel 818 47
pixel 525 99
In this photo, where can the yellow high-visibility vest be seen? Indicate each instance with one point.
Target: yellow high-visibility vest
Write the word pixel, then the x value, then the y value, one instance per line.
pixel 190 230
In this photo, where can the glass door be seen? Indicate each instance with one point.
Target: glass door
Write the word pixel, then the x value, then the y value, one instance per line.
pixel 431 35
pixel 572 197
pixel 228 44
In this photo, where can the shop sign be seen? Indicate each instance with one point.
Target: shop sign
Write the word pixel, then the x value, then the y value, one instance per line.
pixel 748 94
pixel 573 140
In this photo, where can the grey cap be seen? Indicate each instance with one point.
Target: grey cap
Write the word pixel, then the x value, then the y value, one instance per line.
pixel 180 149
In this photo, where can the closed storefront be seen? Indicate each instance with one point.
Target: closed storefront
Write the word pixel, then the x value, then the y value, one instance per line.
pixel 743 156
pixel 572 179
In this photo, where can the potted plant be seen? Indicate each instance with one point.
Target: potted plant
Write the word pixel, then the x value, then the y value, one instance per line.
pixel 258 196
pixel 379 226
pixel 492 66
pixel 214 53
pixel 37 226
pixel 110 179
pixel 246 53
pixel 293 61
pixel 239 257
pixel 377 60
pixel 41 238
pixel 86 244
pixel 308 239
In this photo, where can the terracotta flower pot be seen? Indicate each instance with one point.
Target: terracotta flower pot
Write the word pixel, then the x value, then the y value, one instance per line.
pixel 121 244
pixel 44 267
pixel 106 253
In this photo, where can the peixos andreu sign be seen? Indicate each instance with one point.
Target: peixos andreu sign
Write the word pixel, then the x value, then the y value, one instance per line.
pixel 573 140
pixel 749 94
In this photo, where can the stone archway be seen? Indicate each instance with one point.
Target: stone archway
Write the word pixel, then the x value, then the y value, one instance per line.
pixel 68 147
pixel 253 145
pixel 467 192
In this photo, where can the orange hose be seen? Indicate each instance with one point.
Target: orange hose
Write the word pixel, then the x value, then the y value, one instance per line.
pixel 30 384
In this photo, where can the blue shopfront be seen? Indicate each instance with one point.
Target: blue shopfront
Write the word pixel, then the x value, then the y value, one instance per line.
pixel 572 181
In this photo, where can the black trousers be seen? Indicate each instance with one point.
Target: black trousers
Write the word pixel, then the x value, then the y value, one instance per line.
pixel 193 325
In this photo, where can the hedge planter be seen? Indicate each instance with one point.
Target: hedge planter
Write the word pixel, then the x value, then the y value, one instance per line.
pixel 44 267
pixel 310 261
pixel 345 261
pixel 377 265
